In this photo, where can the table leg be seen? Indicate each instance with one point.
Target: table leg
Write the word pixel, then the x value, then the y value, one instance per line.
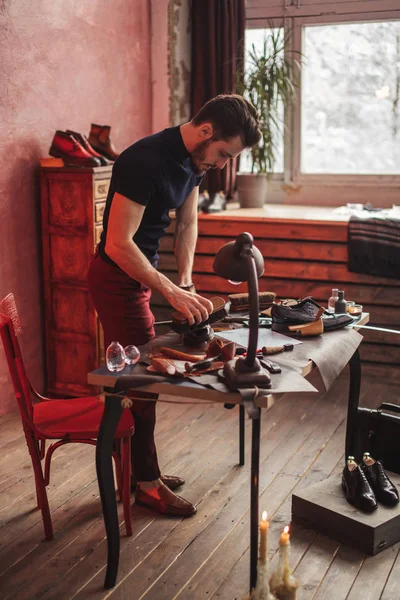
pixel 354 397
pixel 254 491
pixel 105 476
pixel 241 434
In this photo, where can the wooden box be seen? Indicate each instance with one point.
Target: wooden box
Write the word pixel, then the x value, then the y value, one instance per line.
pixel 323 507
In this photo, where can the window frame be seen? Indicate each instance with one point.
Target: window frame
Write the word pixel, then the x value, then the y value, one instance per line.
pixel 297 187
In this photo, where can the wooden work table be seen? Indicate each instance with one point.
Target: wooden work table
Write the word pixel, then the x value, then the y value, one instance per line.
pixel 305 252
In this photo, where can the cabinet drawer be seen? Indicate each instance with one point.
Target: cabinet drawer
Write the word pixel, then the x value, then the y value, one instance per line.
pixel 97 233
pixel 101 188
pixel 99 211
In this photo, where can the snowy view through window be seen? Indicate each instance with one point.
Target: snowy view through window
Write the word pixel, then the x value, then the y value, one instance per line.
pixel 350 99
pixel 350 106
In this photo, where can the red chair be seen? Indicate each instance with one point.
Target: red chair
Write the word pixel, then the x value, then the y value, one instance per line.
pixel 66 420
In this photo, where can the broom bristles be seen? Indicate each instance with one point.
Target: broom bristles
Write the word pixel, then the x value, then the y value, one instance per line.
pixel 9 308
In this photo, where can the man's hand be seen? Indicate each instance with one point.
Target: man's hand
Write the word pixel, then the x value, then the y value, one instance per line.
pixel 195 308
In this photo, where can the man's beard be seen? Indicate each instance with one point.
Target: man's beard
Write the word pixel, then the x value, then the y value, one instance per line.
pixel 198 156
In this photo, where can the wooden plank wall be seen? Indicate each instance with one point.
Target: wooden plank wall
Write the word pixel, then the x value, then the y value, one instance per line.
pixel 302 258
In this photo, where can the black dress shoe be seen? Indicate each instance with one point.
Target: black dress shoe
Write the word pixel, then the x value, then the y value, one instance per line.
pixel 302 312
pixel 384 489
pixel 356 488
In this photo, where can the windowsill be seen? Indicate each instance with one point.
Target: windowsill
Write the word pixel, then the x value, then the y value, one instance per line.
pixel 280 212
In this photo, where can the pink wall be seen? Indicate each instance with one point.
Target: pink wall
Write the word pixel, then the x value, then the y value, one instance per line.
pixel 159 63
pixel 63 65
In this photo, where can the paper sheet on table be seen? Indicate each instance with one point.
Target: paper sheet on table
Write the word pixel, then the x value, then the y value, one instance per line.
pixel 266 337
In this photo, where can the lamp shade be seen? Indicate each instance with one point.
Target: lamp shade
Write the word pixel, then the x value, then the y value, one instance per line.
pixel 231 263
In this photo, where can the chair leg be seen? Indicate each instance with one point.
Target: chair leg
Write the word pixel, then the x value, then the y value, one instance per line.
pixel 40 485
pixel 42 449
pixel 126 484
pixel 47 461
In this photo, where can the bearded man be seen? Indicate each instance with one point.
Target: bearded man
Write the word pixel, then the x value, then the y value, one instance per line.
pixel 156 174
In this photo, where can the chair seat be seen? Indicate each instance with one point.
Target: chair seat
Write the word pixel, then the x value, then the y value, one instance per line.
pixel 76 418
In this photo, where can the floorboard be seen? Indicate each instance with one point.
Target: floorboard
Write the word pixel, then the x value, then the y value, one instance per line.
pixel 207 556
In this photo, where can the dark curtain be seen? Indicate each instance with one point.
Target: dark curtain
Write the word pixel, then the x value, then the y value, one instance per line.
pixel 217 53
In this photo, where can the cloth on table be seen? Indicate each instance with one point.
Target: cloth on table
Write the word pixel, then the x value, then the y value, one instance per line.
pixel 374 246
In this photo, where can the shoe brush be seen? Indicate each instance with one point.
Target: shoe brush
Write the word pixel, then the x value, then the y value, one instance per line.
pixel 240 302
pixel 180 323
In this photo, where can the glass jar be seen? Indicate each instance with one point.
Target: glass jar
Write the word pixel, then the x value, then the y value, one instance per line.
pixel 115 357
pixel 332 300
pixel 132 355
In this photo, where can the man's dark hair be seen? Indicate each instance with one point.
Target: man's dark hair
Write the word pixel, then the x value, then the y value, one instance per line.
pixel 231 115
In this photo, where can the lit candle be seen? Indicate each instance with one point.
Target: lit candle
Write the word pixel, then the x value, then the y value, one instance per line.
pixel 284 540
pixel 282 582
pixel 264 526
pixel 262 591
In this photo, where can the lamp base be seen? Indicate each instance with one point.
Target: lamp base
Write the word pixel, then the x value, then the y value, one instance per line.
pixel 235 378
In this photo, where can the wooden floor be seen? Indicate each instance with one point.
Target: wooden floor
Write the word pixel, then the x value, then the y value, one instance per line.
pixel 206 556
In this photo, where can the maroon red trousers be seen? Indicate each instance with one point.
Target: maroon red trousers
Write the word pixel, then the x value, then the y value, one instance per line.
pixel 123 306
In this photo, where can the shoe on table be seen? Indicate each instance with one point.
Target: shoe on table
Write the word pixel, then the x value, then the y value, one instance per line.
pixel 171 481
pixel 356 487
pixel 164 501
pixel 384 489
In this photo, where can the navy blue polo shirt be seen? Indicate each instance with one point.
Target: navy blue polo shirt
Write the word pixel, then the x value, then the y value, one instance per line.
pixel 157 173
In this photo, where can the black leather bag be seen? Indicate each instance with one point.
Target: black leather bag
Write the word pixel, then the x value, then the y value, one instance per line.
pixel 378 432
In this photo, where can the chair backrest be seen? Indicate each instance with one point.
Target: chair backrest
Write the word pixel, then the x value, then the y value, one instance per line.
pixel 9 326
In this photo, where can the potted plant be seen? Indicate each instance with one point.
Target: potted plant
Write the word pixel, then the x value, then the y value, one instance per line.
pixel 268 82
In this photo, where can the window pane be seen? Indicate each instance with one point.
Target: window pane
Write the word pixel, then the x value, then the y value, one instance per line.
pixel 350 98
pixel 257 37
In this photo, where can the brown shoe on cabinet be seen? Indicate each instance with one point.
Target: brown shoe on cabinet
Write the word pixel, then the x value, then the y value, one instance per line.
pixel 65 146
pixel 84 142
pixel 99 139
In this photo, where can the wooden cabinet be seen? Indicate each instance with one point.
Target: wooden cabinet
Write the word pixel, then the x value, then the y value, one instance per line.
pixel 72 206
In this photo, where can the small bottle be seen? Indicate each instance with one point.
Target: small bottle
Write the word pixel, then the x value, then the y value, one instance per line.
pixel 332 300
pixel 132 355
pixel 341 303
pixel 115 357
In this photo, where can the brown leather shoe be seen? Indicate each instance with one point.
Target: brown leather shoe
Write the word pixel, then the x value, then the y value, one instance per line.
pixel 168 503
pixel 99 139
pixel 170 481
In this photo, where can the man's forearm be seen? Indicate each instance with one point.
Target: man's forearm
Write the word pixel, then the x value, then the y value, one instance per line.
pixel 131 260
pixel 185 246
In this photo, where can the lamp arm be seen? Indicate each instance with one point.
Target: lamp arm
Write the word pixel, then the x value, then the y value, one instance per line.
pixel 254 305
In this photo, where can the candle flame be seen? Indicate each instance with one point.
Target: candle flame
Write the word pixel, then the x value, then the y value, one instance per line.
pixel 286 530
pixel 264 515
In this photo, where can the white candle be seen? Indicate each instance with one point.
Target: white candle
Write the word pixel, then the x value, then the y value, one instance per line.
pixel 264 526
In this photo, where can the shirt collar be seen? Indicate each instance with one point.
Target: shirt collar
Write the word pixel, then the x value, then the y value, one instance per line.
pixel 179 149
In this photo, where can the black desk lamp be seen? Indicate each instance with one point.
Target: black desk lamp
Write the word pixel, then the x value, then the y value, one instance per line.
pixel 241 261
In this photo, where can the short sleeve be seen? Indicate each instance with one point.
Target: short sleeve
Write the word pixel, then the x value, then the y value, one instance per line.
pixel 135 177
